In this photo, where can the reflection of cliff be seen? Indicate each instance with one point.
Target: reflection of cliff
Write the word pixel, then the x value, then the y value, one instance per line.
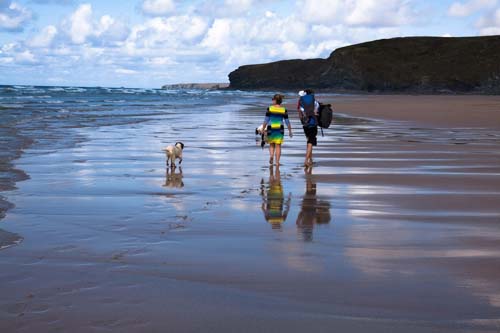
pixel 274 205
pixel 313 211
pixel 413 64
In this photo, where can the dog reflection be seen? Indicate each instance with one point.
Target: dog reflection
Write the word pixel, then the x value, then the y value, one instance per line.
pixel 173 179
pixel 274 205
pixel 313 211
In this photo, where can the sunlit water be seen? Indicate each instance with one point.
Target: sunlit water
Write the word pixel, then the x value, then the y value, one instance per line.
pixel 388 224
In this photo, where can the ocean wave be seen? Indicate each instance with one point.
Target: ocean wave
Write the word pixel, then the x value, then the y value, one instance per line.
pixel 114 101
pixel 75 89
pixel 11 106
pixel 56 89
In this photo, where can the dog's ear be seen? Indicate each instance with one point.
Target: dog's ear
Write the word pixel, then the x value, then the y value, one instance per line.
pixel 180 143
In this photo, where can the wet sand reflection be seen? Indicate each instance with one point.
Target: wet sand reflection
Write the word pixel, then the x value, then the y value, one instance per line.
pixel 8 239
pixel 313 211
pixel 173 179
pixel 274 205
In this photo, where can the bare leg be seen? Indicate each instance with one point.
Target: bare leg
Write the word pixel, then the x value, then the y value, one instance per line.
pixel 271 152
pixel 309 154
pixel 278 154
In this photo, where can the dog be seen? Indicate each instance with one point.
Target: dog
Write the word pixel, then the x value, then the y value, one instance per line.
pixel 174 152
pixel 263 135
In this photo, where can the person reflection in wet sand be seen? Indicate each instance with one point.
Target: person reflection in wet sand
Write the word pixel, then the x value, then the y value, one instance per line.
pixel 274 205
pixel 313 211
pixel 173 179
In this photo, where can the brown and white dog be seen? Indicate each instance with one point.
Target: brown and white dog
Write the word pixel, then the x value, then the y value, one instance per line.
pixel 174 152
pixel 263 135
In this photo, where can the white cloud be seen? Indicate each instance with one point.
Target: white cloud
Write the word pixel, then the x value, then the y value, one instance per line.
pixel 80 24
pixel 374 13
pixel 229 8
pixel 322 11
pixel 167 33
pixel 235 7
pixel 44 38
pixel 220 33
pixel 25 57
pixel 370 13
pixel 158 7
pixel 125 71
pixel 490 23
pixel 108 29
pixel 461 9
pixel 13 16
pixel 161 61
pixel 81 27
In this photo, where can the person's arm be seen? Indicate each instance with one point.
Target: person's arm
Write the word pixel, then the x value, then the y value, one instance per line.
pixel 299 110
pixel 266 119
pixel 287 122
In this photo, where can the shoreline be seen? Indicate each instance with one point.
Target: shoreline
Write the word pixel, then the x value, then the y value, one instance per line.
pixel 349 92
pixel 14 145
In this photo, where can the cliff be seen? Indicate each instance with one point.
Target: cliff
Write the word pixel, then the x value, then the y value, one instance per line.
pixel 412 64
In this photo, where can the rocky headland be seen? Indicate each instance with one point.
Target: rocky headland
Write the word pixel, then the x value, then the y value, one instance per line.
pixel 397 65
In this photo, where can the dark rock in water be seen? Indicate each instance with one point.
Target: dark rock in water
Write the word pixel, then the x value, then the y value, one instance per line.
pixel 8 239
pixel 412 64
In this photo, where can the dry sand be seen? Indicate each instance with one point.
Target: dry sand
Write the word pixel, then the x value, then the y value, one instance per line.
pixel 435 111
pixel 396 227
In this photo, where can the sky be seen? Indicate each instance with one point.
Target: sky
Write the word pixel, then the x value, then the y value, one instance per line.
pixel 148 43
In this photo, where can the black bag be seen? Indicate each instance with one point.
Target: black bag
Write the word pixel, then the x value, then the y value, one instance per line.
pixel 325 116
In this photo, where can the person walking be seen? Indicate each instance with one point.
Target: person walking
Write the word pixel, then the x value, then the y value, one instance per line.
pixel 308 114
pixel 275 116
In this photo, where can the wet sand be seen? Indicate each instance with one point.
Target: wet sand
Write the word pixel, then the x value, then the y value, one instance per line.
pixel 395 228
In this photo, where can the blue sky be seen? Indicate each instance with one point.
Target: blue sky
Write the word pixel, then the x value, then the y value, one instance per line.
pixel 147 43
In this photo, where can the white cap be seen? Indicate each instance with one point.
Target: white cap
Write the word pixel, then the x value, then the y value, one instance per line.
pixel 302 93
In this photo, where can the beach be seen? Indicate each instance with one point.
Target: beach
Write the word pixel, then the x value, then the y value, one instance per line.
pixel 396 227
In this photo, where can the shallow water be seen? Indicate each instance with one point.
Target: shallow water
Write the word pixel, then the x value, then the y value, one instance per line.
pixel 394 227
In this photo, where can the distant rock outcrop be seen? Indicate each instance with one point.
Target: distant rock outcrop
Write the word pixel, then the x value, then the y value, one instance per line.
pixel 412 64
pixel 207 86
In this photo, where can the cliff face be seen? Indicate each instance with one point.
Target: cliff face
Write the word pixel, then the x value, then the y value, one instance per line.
pixel 413 64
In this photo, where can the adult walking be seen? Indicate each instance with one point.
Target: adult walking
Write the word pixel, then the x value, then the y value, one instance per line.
pixel 308 113
pixel 276 115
